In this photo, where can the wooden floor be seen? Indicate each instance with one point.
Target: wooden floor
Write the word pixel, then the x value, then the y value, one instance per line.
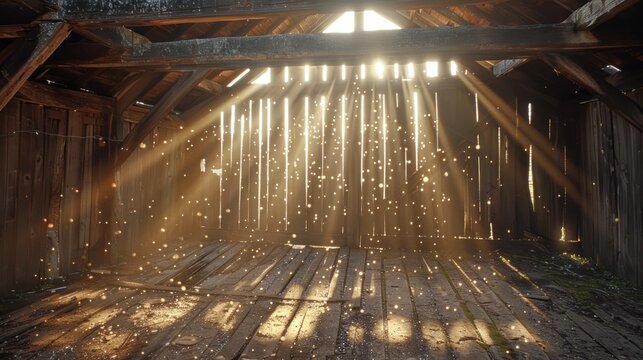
pixel 239 300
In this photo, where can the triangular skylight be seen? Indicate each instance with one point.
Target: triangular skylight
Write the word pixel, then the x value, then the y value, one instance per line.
pixel 345 23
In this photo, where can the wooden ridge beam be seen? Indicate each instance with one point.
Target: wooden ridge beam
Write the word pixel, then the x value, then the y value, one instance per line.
pixel 575 71
pixel 585 17
pixel 477 42
pixel 162 12
pixel 17 68
pixel 169 100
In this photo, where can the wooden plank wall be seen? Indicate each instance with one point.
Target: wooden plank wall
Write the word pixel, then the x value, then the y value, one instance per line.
pixel 612 162
pixel 45 191
pixel 144 212
pixel 275 165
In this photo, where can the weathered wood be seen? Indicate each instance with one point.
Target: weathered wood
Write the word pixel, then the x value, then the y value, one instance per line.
pixel 211 86
pixel 154 117
pixel 52 96
pixel 406 44
pixel 588 16
pixel 22 63
pixel 506 66
pixel 597 12
pixel 118 37
pixel 159 12
pixel 464 339
pixel 15 31
pixel 596 85
pixel 401 322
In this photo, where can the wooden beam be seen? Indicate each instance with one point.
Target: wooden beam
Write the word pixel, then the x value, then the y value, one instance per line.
pixel 15 71
pixel 586 17
pixel 210 86
pixel 64 98
pixel 597 12
pixel 163 12
pixel 596 85
pixel 160 111
pixel 144 83
pixel 477 42
pixel 15 31
pixel 504 67
pixel 37 6
pixel 118 37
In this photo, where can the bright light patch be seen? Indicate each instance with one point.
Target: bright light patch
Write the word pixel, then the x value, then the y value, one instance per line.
pixel 454 68
pixel 239 77
pixel 325 73
pixel 344 24
pixel 374 21
pixel 362 71
pixel 410 71
pixel 306 73
pixel 379 68
pixel 264 78
pixel 431 68
pixel 286 74
pixel 396 70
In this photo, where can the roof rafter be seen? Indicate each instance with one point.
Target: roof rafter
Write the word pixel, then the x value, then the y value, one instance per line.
pixel 15 71
pixel 586 17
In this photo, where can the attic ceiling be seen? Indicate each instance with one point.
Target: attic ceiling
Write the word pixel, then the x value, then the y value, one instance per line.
pixel 111 28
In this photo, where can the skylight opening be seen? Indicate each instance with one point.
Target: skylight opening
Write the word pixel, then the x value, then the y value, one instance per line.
pixel 239 77
pixel 431 69
pixel 453 67
pixel 263 79
pixel 410 71
pixel 374 21
pixel 344 24
pixel 379 69
pixel 611 69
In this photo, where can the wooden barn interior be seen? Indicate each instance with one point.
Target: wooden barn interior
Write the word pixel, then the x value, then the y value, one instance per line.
pixel 372 179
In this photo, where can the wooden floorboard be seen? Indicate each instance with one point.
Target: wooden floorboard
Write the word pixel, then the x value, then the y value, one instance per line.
pixel 302 302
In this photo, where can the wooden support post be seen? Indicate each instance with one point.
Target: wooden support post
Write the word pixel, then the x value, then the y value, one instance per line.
pixel 15 71
pixel 596 85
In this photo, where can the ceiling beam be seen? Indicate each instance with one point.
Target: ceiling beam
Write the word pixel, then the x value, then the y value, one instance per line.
pixel 163 12
pixel 64 98
pixel 117 37
pixel 169 100
pixel 588 16
pixel 477 42
pixel 17 68
pixel 582 75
